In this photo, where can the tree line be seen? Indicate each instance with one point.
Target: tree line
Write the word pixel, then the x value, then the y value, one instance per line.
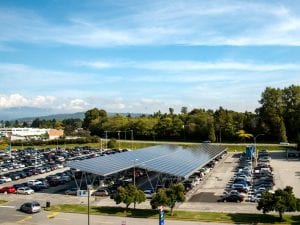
pixel 278 118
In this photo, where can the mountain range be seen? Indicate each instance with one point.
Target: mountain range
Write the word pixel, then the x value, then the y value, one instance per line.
pixel 28 114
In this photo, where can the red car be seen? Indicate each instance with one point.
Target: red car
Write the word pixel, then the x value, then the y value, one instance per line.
pixel 8 189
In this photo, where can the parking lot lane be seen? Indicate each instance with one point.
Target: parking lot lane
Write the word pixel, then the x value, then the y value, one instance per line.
pixel 24 219
pixel 286 172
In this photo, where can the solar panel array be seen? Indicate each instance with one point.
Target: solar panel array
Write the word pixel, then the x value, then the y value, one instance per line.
pixel 168 159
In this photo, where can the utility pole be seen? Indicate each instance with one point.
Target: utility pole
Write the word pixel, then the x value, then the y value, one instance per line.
pixel 256 153
pixel 106 139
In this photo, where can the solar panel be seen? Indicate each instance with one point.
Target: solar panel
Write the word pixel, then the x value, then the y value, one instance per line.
pixel 168 159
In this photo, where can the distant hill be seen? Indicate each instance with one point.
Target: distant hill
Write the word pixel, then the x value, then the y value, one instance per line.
pixel 28 114
pixel 24 112
pixel 77 115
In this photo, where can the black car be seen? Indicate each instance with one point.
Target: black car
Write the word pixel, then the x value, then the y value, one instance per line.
pixel 232 198
pixel 31 207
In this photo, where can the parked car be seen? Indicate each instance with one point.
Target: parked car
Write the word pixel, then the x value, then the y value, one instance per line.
pixel 101 192
pixel 33 182
pixel 31 207
pixel 255 198
pixel 240 188
pixel 72 191
pixel 232 198
pixel 148 193
pixel 5 179
pixel 25 190
pixel 8 189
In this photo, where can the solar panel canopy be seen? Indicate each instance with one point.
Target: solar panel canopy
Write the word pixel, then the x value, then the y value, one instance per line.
pixel 168 159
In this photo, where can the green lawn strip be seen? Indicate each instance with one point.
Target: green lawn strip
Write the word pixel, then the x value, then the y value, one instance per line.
pixel 3 201
pixel 179 215
pixel 241 148
pixel 139 145
pixel 123 145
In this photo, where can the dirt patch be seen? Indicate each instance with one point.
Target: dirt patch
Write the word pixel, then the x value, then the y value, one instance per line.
pixel 204 197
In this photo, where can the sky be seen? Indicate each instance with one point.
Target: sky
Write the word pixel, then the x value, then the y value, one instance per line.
pixel 144 56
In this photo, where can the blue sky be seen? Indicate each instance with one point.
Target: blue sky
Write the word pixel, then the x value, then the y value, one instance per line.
pixel 145 56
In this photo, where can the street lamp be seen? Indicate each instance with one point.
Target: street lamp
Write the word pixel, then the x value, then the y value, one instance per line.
pixel 106 139
pixel 134 164
pixel 131 131
pixel 89 187
pixel 119 139
pixel 256 153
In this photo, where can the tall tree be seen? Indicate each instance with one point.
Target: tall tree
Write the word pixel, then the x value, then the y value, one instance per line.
pixel 271 113
pixel 283 200
pixel 93 120
pixel 128 195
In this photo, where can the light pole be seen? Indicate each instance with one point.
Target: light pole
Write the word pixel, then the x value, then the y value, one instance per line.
pixel 101 145
pixel 89 187
pixel 256 153
pixel 131 139
pixel 106 139
pixel 134 171
pixel 119 139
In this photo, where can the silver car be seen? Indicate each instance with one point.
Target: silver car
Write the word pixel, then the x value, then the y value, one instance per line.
pixel 31 207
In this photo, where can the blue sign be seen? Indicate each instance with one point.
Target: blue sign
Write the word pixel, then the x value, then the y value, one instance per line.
pixel 161 216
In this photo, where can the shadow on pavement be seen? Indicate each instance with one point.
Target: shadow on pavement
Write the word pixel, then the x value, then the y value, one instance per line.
pixel 136 213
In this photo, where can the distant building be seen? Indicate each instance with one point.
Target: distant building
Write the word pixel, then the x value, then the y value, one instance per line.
pixel 26 133
pixel 55 134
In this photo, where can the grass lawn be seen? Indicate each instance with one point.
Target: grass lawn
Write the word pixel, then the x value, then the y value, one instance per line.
pixel 180 215
pixel 2 201
pixel 141 144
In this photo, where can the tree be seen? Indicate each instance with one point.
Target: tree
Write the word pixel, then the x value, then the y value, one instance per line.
pixel 129 194
pixel 283 200
pixel 159 199
pixel 211 132
pixel 175 194
pixel 271 113
pixel 243 135
pixel 93 120
pixel 171 111
pixel 112 143
pixel 184 110
pixel 168 197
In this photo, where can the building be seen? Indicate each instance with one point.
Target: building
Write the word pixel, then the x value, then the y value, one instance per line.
pixel 55 134
pixel 25 133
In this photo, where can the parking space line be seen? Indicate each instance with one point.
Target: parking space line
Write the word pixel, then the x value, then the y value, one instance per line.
pixel 62 219
pixel 101 222
pixel 50 216
pixel 25 219
pixel 7 206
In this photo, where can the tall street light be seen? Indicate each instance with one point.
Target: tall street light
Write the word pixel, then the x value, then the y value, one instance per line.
pixel 131 131
pixel 134 171
pixel 89 187
pixel 256 153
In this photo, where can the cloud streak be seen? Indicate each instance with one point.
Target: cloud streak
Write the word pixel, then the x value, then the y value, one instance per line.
pixel 180 65
pixel 160 23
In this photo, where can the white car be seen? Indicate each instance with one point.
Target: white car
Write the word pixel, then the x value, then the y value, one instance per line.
pixel 34 182
pixel 148 193
pixel 5 179
pixel 25 191
pixel 3 169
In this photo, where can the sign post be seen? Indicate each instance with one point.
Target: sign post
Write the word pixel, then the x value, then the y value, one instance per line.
pixel 161 216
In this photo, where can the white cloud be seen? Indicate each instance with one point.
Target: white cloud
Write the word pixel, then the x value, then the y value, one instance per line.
pixel 17 100
pixel 94 64
pixel 75 105
pixel 180 65
pixel 160 23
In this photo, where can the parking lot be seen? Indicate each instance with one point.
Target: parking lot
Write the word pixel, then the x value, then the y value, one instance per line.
pixel 204 196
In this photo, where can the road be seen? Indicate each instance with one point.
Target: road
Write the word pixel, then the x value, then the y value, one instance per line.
pixel 9 215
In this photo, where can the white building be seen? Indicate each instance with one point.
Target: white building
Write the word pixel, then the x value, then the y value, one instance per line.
pixel 22 133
